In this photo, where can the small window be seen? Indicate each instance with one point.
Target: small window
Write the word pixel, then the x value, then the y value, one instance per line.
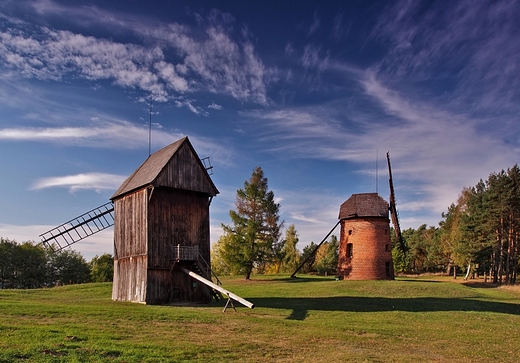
pixel 386 247
pixel 349 250
pixel 349 232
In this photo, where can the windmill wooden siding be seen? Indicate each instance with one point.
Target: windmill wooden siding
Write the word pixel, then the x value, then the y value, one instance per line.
pixel 164 203
pixel 365 252
pixel 130 247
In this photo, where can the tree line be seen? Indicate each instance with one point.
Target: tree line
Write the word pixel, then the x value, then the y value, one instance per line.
pixel 477 235
pixel 28 265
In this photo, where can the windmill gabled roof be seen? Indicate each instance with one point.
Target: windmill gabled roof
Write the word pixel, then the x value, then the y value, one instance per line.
pixel 364 205
pixel 152 171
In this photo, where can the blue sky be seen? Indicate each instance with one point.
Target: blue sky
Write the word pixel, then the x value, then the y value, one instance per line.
pixel 314 92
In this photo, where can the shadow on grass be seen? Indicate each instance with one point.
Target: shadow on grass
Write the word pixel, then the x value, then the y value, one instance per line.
pixel 301 306
pixel 306 279
pixel 480 285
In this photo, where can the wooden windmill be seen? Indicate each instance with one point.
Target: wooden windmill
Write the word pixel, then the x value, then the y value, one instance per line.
pixel 161 230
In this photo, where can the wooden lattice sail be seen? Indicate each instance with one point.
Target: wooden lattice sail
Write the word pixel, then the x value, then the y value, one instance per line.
pixel 79 228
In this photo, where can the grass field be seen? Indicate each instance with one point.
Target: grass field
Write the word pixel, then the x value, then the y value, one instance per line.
pixel 308 319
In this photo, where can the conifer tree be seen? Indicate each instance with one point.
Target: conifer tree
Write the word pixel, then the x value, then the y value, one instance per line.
pixel 255 232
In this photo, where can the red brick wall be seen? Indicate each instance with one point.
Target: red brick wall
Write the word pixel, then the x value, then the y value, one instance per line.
pixel 371 250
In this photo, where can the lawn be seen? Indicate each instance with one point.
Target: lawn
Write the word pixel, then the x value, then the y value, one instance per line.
pixel 307 319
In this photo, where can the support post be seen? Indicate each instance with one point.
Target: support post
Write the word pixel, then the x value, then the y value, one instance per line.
pixel 316 249
pixel 229 303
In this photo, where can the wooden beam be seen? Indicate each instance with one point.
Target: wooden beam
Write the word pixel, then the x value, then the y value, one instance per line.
pixel 229 294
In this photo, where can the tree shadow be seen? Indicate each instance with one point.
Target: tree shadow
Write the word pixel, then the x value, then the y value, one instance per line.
pixel 307 279
pixel 480 285
pixel 421 280
pixel 301 306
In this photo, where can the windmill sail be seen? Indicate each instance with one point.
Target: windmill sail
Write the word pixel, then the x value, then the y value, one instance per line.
pixel 79 228
pixel 393 209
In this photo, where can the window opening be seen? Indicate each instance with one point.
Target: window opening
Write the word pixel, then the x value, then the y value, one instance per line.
pixel 349 250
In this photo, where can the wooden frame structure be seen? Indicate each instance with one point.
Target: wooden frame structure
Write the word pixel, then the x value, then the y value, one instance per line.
pixel 164 203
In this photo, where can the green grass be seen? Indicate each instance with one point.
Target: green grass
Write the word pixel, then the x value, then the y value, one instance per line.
pixel 308 319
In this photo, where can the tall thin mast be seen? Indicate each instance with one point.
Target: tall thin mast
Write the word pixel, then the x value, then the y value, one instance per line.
pixel 393 209
pixel 150 129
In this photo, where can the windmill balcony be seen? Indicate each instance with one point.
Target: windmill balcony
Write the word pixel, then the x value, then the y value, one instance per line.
pixel 185 253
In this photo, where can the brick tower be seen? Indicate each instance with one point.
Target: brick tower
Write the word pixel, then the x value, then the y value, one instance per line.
pixel 365 252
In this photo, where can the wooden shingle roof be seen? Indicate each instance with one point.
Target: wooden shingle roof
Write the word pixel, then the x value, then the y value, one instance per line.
pixel 176 166
pixel 364 205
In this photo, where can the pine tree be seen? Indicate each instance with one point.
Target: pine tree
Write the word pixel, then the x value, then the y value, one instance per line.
pixel 255 233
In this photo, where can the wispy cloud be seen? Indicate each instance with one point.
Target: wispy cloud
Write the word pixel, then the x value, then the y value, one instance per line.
pixel 310 132
pixel 113 134
pixel 206 59
pixel 87 181
pixel 55 55
pixel 189 105
pixel 316 23
pixel 117 135
pixel 435 150
pixel 472 47
pixel 311 57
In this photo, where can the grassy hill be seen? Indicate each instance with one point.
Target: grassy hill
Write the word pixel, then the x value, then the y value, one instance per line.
pixel 308 319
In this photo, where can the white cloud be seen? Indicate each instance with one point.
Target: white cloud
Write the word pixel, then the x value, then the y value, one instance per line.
pixel 221 64
pixel 215 106
pixel 121 134
pixel 189 105
pixel 213 62
pixel 90 181
pixel 300 216
pixel 313 216
pixel 107 132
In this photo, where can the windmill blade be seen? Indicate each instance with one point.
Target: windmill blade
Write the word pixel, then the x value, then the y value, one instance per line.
pixel 393 209
pixel 79 228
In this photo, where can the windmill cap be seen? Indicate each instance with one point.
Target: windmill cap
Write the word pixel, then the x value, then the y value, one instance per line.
pixel 364 205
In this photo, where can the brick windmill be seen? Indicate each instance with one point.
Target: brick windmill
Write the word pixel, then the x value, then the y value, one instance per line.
pixel 365 251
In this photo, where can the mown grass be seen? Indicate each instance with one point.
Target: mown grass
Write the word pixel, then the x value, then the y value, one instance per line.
pixel 308 319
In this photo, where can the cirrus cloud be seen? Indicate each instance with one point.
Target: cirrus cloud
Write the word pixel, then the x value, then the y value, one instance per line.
pixel 172 60
pixel 83 181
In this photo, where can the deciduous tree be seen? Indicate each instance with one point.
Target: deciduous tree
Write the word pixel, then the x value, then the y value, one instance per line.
pixel 102 268
pixel 290 256
pixel 327 257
